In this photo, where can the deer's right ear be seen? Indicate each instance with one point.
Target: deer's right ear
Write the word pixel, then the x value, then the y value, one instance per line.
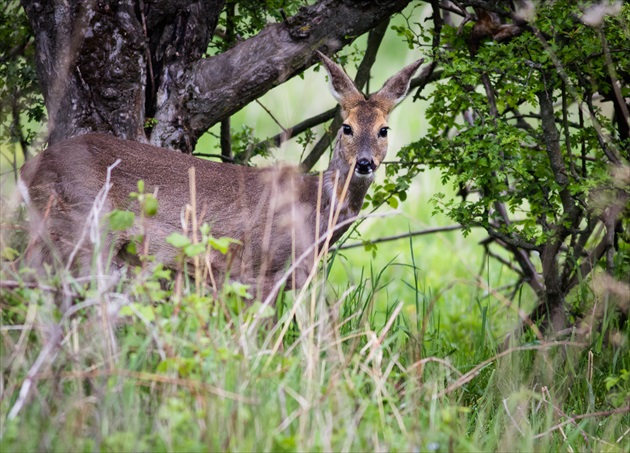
pixel 341 86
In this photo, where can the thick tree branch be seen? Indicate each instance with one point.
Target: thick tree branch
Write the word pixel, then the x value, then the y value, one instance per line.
pixel 552 142
pixel 179 33
pixel 512 239
pixel 216 87
pixel 554 300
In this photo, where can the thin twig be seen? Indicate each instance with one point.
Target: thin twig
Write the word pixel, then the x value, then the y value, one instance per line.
pixel 399 236
pixel 226 140
pixel 291 132
pixel 275 120
pixel 621 410
pixel 217 156
pixel 469 376
pixel 14 284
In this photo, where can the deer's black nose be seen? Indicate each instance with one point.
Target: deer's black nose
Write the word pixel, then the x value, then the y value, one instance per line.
pixel 365 166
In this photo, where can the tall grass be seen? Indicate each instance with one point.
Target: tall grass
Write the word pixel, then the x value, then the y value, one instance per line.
pixel 382 362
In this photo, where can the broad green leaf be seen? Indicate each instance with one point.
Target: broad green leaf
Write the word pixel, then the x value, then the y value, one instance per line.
pixel 178 240
pixel 150 206
pixel 121 220
pixel 221 244
pixel 191 250
pixel 255 310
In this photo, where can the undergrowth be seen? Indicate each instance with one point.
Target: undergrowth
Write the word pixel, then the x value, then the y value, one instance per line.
pixel 154 362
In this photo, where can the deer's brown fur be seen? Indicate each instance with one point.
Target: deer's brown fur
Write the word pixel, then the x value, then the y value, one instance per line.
pixel 276 213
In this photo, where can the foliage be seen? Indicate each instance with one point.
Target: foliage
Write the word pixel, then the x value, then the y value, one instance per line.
pixel 21 103
pixel 245 18
pixel 145 366
pixel 522 130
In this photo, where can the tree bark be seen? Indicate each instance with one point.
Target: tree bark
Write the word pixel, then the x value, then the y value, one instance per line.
pixel 91 66
pixel 179 34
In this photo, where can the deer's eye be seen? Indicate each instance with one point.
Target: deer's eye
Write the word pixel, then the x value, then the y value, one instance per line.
pixel 383 132
pixel 347 130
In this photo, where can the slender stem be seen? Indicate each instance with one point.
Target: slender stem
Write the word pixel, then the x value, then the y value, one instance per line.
pixel 400 236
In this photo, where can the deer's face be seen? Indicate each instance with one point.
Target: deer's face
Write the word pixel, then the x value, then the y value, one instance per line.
pixel 363 138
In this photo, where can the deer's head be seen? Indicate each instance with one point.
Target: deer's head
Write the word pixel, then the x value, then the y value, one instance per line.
pixel 362 140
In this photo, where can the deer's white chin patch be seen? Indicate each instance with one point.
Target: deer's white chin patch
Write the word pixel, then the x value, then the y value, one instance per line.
pixel 368 175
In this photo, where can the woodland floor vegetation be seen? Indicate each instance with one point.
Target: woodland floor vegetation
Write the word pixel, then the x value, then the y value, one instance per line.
pixel 185 369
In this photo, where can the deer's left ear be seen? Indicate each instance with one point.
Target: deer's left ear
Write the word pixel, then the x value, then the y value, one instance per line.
pixel 396 87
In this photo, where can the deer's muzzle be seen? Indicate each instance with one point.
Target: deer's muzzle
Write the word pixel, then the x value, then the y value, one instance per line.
pixel 364 167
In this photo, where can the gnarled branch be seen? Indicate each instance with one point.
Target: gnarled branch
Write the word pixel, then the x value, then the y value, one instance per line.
pixel 215 88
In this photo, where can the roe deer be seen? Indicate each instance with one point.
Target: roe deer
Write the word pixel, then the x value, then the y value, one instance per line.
pixel 277 214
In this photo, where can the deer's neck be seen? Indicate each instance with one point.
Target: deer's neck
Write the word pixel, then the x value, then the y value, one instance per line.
pixel 343 193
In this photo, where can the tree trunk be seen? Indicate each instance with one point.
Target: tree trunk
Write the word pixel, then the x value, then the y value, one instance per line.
pixel 91 64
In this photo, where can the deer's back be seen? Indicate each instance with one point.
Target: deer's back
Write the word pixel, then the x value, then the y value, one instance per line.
pixel 265 209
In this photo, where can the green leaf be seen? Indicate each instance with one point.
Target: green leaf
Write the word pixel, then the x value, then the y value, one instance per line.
pixel 146 311
pixel 266 312
pixel 238 289
pixel 178 240
pixel 9 254
pixel 121 220
pixel 126 311
pixel 150 206
pixel 191 250
pixel 222 244
pixel 611 381
pixel 132 248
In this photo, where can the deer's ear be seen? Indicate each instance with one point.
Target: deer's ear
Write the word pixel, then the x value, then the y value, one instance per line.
pixel 341 86
pixel 396 87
